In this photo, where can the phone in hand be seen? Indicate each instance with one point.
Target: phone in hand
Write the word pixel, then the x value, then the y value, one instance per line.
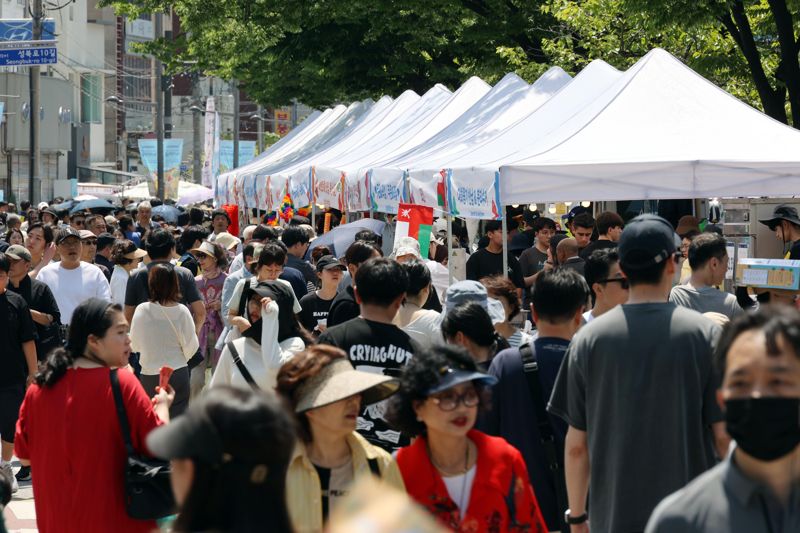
pixel 163 377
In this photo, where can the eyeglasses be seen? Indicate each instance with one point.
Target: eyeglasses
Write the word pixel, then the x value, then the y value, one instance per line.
pixel 623 282
pixel 448 401
pixel 78 222
pixel 90 242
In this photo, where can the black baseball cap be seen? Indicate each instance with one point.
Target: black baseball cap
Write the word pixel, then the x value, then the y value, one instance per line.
pixel 192 435
pixel 327 262
pixel 65 232
pixel 647 241
pixel 105 239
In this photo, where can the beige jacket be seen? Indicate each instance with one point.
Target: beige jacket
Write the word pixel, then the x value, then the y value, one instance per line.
pixel 303 490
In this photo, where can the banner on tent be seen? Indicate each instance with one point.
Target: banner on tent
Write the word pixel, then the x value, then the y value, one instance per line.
pixel 300 188
pixel 247 151
pixel 474 193
pixel 427 188
pixel 261 193
pixel 275 191
pixel 220 190
pixel 387 189
pixel 211 147
pixel 357 192
pixel 250 191
pixel 329 189
pixel 172 152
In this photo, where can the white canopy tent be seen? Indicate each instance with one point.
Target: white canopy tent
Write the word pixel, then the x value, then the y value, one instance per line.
pixel 661 131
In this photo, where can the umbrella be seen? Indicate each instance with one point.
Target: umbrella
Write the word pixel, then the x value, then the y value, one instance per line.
pixel 341 237
pixel 195 195
pixel 169 212
pixel 84 197
pixel 93 205
pixel 65 206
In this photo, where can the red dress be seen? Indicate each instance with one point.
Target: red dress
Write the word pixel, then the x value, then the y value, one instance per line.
pixel 71 435
pixel 501 499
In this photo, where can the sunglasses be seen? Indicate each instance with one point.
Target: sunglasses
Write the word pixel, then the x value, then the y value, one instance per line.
pixel 623 282
pixel 78 222
pixel 90 242
pixel 448 401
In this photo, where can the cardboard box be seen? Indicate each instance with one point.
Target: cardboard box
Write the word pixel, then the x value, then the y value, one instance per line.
pixel 768 273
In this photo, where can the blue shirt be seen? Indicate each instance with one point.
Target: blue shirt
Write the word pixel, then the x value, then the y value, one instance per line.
pixel 513 416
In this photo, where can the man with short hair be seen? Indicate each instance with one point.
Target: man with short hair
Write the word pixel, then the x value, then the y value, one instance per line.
pixel 372 342
pixel 708 257
pixel 191 239
pixel 609 228
pixel 71 280
pixel 96 224
pixel 89 251
pixel 144 222
pixel 18 364
pixel 755 488
pixel 259 234
pixel 49 216
pixel 77 221
pixel 296 240
pixel 567 252
pixel 105 242
pixel 638 392
pixel 488 261
pixel 558 298
pixel 219 223
pixel 786 225
pixel 533 259
pixel 608 284
pixel 582 229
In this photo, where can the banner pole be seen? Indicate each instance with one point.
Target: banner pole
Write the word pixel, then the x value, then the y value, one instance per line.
pixel 449 219
pixel 505 243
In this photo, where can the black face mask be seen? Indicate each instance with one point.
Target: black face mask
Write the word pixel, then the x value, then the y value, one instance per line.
pixel 254 331
pixel 766 428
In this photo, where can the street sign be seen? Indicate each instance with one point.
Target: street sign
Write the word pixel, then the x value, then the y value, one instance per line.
pixel 22 29
pixel 22 57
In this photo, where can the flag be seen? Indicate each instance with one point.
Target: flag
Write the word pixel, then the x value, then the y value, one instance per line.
pixel 414 221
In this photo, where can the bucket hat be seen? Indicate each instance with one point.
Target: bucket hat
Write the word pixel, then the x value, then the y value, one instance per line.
pixel 339 380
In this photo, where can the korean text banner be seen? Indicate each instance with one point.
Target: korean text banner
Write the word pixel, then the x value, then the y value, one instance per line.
pixel 474 193
pixel 247 151
pixel 211 148
pixel 329 189
pixel 387 188
pixel 300 188
pixel 357 191
pixel 427 188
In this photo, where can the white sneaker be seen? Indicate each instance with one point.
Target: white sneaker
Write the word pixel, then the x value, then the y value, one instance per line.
pixel 14 485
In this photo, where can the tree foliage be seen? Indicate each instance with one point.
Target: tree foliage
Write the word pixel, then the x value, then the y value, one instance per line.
pixel 328 51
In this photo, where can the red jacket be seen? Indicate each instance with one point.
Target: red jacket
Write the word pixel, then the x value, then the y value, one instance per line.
pixel 501 499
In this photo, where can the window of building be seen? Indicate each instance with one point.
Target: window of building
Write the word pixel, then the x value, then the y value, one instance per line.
pixel 91 98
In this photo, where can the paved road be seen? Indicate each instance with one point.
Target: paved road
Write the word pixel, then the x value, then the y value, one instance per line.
pixel 20 515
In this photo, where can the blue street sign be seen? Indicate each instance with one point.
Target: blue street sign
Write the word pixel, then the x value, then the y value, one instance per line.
pixel 20 57
pixel 22 29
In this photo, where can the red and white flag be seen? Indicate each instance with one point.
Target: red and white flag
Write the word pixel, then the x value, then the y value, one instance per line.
pixel 414 221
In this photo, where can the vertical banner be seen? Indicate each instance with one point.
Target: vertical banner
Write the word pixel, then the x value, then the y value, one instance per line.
pixel 414 221
pixel 247 151
pixel 275 191
pixel 2 111
pixel 300 187
pixel 211 146
pixel 474 193
pixel 357 192
pixel 250 191
pixel 387 189
pixel 427 188
pixel 329 188
pixel 173 153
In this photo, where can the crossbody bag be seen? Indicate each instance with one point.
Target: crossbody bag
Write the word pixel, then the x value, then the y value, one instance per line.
pixel 248 377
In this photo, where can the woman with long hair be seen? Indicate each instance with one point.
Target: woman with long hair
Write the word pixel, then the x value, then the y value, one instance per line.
pixel 469 325
pixel 126 258
pixel 213 261
pixel 326 395
pixel 69 431
pixel 15 236
pixel 423 325
pixel 468 480
pixel 162 331
pixel 229 454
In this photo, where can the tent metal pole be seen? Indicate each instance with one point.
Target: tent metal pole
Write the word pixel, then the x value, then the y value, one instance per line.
pixel 449 219
pixel 505 244
pixel 314 215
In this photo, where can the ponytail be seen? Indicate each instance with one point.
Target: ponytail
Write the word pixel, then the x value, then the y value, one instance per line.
pixel 92 317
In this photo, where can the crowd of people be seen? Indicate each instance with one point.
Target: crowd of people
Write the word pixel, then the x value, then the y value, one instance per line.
pixel 604 382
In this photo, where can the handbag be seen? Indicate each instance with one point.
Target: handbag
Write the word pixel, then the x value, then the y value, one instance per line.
pixel 148 494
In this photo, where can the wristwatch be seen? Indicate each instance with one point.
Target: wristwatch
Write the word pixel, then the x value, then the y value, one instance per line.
pixel 575 520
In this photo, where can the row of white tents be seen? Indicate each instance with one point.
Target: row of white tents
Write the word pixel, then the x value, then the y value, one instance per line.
pixel 655 131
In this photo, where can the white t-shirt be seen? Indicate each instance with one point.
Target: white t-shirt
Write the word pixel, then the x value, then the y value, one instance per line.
pixel 588 316
pixel 459 488
pixel 163 336
pixel 119 284
pixel 71 287
pixel 426 328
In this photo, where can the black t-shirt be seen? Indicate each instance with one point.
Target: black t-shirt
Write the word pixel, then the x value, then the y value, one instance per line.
pixel 189 262
pixel 102 262
pixel 16 328
pixel 596 245
pixel 343 307
pixel 484 263
pixel 305 269
pixel 381 349
pixel 137 292
pixel 794 251
pixel 40 298
pixel 314 310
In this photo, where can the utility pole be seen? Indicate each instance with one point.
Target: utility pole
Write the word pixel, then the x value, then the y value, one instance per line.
pixel 260 126
pixel 166 86
pixel 197 128
pixel 160 114
pixel 33 73
pixel 235 124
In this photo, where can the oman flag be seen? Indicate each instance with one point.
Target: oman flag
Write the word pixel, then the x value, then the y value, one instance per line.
pixel 414 221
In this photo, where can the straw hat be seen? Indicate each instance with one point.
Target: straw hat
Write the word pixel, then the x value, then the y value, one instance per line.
pixel 339 380
pixel 205 248
pixel 227 241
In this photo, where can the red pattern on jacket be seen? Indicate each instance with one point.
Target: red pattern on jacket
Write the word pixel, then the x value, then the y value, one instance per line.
pixel 490 501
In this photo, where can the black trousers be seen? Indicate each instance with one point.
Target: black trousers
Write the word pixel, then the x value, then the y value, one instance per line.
pixel 179 382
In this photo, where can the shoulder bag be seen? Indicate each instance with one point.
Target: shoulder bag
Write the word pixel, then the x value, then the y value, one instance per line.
pixel 197 358
pixel 148 494
pixel 546 434
pixel 248 377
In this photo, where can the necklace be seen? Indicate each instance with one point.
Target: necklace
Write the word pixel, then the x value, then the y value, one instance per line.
pixel 462 503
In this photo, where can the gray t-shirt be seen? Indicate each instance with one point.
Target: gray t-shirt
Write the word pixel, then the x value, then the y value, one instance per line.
pixel 638 379
pixel 705 300
pixel 530 262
